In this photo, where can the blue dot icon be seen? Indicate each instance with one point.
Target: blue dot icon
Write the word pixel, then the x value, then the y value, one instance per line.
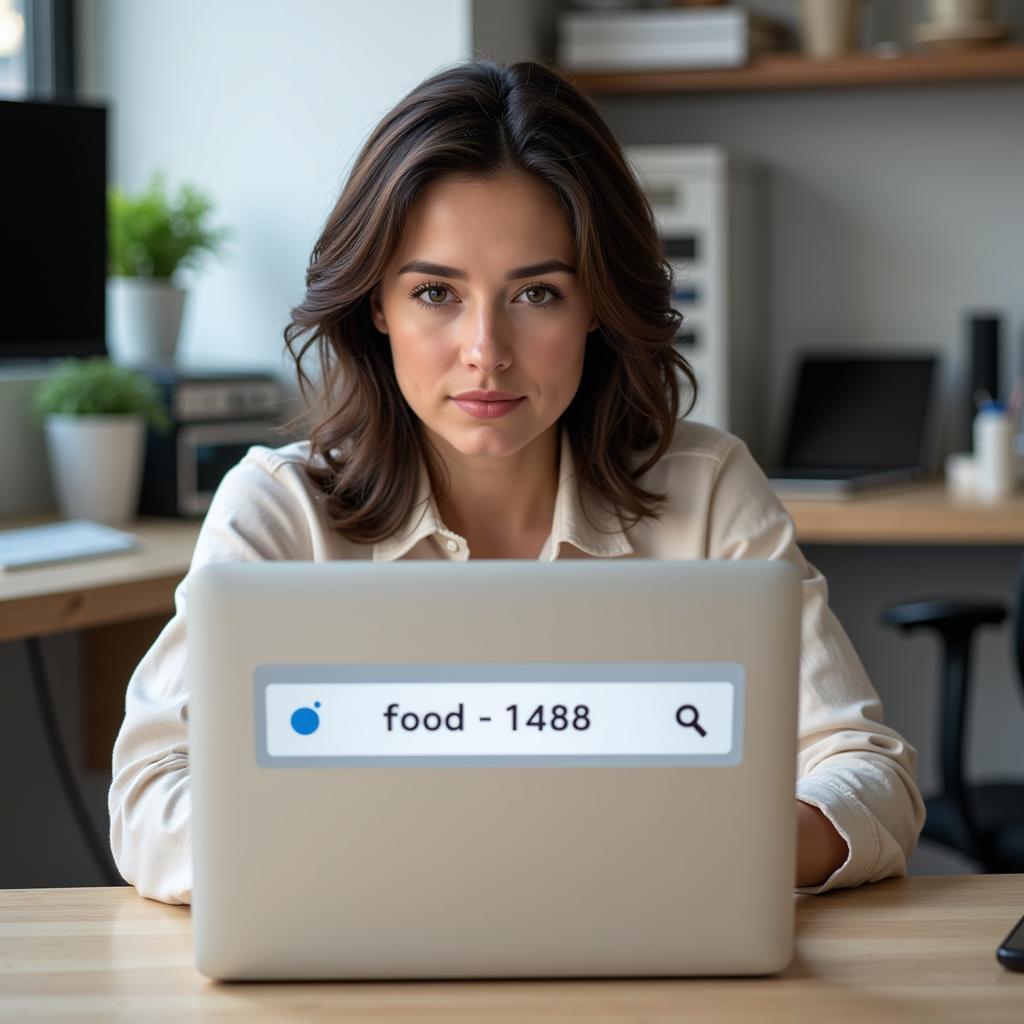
pixel 305 720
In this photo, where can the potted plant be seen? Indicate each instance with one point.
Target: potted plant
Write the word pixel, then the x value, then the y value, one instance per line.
pixel 95 416
pixel 151 236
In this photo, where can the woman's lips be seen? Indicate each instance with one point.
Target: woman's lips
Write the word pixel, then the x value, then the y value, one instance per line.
pixel 487 410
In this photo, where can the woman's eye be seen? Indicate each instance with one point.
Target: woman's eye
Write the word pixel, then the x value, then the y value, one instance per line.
pixel 539 289
pixel 430 291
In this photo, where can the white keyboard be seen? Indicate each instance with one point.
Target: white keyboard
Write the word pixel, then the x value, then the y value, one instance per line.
pixel 30 546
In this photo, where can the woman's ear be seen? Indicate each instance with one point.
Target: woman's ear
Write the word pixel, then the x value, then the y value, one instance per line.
pixel 377 310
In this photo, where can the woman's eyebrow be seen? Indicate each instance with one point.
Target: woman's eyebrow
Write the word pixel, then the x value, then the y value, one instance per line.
pixel 426 267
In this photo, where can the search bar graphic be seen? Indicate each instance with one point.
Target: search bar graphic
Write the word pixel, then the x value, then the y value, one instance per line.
pixel 541 714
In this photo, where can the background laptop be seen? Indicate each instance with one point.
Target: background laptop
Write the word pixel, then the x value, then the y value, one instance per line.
pixel 376 795
pixel 855 422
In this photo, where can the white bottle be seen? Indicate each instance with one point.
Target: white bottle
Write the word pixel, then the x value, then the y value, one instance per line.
pixel 995 468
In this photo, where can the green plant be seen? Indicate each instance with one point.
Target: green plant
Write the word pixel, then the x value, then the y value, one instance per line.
pixel 152 234
pixel 96 387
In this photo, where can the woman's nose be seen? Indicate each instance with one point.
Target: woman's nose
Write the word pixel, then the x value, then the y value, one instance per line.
pixel 487 349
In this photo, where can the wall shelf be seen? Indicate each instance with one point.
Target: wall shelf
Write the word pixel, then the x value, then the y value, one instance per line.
pixel 1004 63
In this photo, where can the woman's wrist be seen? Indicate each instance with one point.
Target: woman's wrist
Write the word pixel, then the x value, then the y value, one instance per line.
pixel 820 848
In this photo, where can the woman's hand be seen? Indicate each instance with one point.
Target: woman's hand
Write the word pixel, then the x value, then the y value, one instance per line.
pixel 820 849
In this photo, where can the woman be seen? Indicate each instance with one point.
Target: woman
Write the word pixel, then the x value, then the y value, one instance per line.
pixel 489 313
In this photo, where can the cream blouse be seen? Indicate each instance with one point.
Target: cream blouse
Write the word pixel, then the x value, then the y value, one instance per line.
pixel 857 770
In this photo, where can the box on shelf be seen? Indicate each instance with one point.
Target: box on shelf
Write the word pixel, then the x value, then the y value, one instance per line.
pixel 665 39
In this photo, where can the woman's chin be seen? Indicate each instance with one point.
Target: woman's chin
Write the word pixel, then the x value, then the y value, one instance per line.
pixel 484 440
pixel 492 446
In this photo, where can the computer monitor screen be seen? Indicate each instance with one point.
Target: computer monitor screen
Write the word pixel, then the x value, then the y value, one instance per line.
pixel 53 243
pixel 860 413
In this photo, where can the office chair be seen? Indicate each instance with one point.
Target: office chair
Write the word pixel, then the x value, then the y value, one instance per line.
pixel 984 822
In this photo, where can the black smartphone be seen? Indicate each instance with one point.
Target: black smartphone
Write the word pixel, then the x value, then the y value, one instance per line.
pixel 1011 950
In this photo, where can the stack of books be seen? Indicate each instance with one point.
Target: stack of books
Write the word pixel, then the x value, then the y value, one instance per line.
pixel 664 39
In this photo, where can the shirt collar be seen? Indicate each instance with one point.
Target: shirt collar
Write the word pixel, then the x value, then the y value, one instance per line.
pixel 602 535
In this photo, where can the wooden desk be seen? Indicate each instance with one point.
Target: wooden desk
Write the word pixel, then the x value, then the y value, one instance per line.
pixel 98 591
pixel 913 949
pixel 917 514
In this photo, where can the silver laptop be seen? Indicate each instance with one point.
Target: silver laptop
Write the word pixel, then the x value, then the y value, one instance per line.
pixel 493 769
pixel 858 422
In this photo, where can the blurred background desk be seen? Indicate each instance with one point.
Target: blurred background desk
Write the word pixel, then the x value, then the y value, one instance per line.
pixel 111 591
pixel 922 514
pixel 99 591
pixel 907 949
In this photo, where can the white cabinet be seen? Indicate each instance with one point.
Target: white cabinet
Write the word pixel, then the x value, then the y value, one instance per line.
pixel 708 205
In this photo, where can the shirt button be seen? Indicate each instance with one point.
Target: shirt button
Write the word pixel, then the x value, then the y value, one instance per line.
pixel 452 545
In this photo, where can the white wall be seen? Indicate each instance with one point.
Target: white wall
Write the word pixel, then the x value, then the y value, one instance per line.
pixel 523 30
pixel 264 104
pixel 24 470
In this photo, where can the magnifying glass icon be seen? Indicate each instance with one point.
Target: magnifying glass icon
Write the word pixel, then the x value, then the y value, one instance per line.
pixel 694 719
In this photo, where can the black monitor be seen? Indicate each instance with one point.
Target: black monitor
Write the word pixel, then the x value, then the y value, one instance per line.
pixel 861 411
pixel 53 241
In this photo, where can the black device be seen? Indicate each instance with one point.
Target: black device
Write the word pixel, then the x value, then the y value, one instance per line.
pixel 857 421
pixel 1011 950
pixel 53 208
pixel 984 331
pixel 215 417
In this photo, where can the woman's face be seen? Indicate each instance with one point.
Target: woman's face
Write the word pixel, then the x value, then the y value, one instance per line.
pixel 482 296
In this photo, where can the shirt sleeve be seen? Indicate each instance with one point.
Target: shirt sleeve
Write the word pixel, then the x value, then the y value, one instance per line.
pixel 253 516
pixel 859 772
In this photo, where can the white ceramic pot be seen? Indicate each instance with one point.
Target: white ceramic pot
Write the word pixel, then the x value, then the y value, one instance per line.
pixel 144 320
pixel 96 463
pixel 828 28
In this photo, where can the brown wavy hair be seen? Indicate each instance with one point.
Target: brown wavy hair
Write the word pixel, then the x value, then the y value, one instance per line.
pixel 483 118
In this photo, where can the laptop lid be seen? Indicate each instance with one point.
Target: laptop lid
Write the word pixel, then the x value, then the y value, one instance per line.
pixel 860 413
pixel 493 768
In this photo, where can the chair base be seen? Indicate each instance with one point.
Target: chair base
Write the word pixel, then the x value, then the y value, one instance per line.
pixel 998 810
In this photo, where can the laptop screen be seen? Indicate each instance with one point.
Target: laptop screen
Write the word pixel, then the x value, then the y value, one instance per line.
pixel 860 413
